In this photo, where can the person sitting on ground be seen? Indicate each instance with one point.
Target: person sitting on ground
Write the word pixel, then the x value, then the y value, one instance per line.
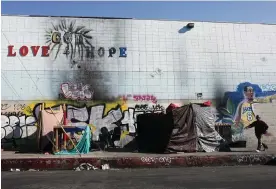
pixel 260 129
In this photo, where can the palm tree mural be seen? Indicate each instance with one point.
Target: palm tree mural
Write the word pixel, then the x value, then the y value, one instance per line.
pixel 75 38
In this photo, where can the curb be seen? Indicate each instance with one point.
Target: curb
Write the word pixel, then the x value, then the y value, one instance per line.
pixel 136 162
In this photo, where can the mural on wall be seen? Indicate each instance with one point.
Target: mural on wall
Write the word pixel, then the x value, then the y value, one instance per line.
pixel 19 120
pixel 239 110
pixel 74 38
pixel 76 91
pixel 76 42
pixel 97 116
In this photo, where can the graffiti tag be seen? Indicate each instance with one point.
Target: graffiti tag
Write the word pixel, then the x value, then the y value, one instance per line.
pixel 76 91
pixel 268 87
pixel 5 106
pixel 145 98
pixel 167 160
pixel 13 127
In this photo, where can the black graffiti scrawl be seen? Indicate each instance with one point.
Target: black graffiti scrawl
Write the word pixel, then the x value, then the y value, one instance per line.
pixel 75 40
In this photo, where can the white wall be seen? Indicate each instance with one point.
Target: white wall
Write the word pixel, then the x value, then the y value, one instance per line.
pixel 210 58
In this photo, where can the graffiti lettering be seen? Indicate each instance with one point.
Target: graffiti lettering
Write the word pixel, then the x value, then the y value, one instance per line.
pixel 85 166
pixel 145 98
pixel 18 107
pixel 76 91
pixel 16 125
pixel 130 120
pixel 140 98
pixel 17 114
pixel 5 106
pixel 156 160
pixel 13 127
pixel 124 161
pixel 108 121
pixel 96 118
pixel 252 159
pixel 130 115
pixel 268 87
pixel 150 109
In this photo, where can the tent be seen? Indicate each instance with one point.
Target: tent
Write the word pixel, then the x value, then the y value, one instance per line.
pixel 190 128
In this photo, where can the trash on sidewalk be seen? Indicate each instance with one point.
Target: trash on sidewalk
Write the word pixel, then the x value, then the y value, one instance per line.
pixel 85 166
pixel 105 167
pixel 33 170
pixel 14 170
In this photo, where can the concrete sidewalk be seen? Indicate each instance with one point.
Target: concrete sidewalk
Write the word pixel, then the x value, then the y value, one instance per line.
pixel 132 160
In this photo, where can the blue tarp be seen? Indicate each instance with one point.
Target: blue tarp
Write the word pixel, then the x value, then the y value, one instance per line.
pixel 83 145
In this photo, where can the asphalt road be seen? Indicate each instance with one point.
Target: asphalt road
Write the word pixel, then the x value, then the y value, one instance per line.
pixel 253 177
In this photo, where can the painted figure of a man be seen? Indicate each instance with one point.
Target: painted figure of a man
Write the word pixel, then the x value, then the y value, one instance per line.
pixel 245 113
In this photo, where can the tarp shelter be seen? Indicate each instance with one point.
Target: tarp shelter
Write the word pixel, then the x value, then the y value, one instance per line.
pixel 194 130
pixel 77 142
pixel 190 128
pixel 171 107
pixel 83 144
